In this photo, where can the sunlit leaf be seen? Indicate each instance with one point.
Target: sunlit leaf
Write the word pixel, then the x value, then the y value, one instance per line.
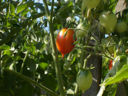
pixel 22 7
pixel 12 9
pixel 43 65
pixel 118 77
pixel 7 52
pixel 4 47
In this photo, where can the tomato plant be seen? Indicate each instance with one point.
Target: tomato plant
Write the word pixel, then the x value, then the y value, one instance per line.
pixel 65 40
pixel 29 45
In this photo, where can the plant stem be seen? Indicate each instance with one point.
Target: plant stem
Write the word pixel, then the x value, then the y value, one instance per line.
pixel 55 55
pixel 85 61
pixel 102 88
pixel 22 66
pixel 76 90
pixel 59 2
pixel 25 78
pixel 46 7
pixel 101 91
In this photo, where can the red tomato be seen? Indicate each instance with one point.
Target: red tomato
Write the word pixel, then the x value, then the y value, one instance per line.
pixel 64 41
pixel 110 64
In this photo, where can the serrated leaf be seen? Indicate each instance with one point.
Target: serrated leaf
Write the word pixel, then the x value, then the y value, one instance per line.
pixel 121 75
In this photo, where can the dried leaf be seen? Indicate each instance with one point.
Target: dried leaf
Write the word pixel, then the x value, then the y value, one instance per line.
pixel 121 5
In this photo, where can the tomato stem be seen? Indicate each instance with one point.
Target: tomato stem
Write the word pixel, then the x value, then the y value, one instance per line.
pixel 55 55
pixel 85 61
pixel 88 12
pixel 46 7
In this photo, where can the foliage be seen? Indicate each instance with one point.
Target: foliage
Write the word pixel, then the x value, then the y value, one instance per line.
pixel 29 60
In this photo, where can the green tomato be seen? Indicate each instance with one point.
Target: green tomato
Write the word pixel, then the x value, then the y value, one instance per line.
pixel 90 3
pixel 121 27
pixel 84 80
pixel 108 21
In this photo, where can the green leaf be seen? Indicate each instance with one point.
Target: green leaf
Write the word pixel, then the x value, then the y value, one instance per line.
pixel 4 47
pixel 22 7
pixel 7 52
pixel 43 65
pixel 118 77
pixel 111 90
pixel 25 12
pixel 12 8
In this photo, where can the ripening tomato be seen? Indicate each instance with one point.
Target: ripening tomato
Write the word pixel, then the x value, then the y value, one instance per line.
pixel 64 41
pixel 84 80
pixel 110 64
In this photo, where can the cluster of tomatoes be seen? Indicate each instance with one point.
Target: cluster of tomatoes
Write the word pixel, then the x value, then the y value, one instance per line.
pixel 65 40
pixel 65 43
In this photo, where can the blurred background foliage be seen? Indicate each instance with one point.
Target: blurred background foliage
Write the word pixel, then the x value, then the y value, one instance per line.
pixel 25 45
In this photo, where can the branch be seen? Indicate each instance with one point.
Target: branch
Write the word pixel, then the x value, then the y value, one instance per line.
pixel 25 78
pixel 102 88
pixel 55 55
pixel 59 2
pixel 22 65
pixel 85 61
pixel 101 91
pixel 46 7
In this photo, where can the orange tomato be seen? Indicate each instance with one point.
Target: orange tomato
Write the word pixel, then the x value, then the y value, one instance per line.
pixel 110 64
pixel 64 41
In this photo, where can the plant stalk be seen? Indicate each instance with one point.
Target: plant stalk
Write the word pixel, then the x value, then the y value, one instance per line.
pixel 55 55
pixel 25 78
pixel 22 66
pixel 46 7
